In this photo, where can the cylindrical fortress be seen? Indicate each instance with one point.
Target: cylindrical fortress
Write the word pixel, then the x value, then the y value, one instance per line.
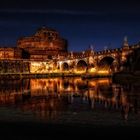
pixel 45 41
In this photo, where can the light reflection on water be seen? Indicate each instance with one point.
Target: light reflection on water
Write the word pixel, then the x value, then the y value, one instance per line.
pixel 72 100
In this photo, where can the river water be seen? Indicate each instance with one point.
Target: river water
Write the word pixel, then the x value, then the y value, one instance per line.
pixel 70 101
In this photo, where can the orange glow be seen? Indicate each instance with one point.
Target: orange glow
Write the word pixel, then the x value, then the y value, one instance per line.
pixel 79 72
pixel 41 67
pixel 93 70
pixel 106 81
pixel 103 72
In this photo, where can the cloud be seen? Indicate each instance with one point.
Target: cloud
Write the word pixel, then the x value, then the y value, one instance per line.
pixel 49 11
pixel 71 12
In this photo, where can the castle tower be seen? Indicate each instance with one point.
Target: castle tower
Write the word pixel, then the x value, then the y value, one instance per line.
pixel 91 49
pixel 125 43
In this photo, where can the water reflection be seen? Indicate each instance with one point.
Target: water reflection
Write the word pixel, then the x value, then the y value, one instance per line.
pixel 49 98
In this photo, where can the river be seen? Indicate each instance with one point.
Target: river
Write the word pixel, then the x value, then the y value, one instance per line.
pixel 70 101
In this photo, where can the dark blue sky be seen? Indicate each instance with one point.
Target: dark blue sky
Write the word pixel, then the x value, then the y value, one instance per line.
pixel 82 22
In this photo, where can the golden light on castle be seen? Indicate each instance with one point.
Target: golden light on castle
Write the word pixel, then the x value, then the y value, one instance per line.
pixel 41 67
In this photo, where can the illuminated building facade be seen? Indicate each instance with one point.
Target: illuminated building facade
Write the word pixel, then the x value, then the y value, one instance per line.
pixel 47 52
pixel 35 54
pixel 45 44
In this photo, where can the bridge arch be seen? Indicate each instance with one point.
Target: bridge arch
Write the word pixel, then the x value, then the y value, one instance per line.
pixel 65 66
pixel 106 63
pixel 107 60
pixel 82 65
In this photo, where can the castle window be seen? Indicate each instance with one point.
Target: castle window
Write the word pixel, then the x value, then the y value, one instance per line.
pixel 45 34
pixel 49 56
pixel 50 38
pixel 49 34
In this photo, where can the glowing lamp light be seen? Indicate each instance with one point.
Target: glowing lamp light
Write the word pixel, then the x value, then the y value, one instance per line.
pixel 93 70
pixel 79 72
pixel 103 72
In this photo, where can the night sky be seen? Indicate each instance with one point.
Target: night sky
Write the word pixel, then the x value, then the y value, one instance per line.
pixel 100 23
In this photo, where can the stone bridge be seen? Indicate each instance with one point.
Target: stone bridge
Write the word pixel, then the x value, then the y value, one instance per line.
pixel 113 60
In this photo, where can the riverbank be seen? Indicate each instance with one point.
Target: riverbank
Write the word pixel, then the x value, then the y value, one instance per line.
pixel 36 75
pixel 120 77
pixel 50 75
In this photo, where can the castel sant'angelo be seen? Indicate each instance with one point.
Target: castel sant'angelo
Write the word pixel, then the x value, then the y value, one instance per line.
pixel 47 52
pixel 44 44
pixel 32 53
